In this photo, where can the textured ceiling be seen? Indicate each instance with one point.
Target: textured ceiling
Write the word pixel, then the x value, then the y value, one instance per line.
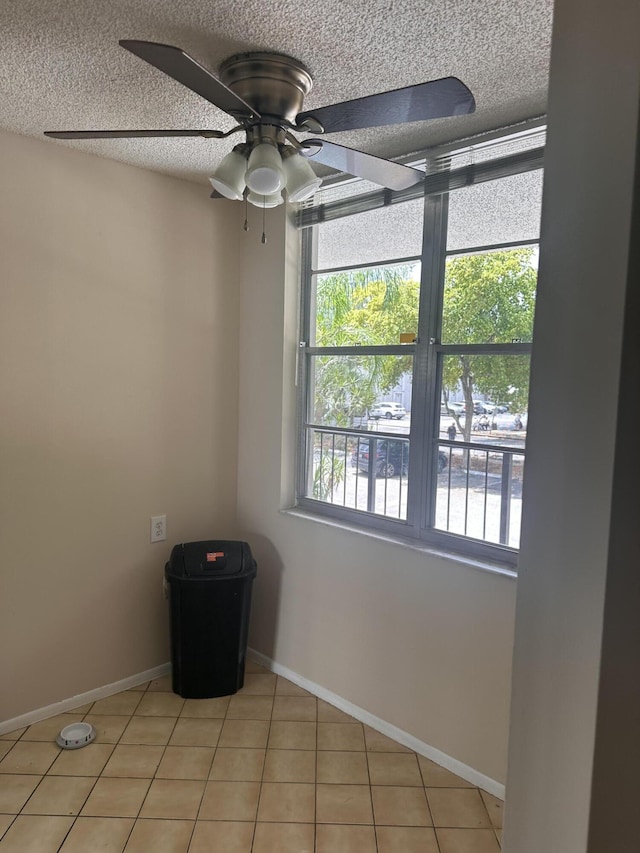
pixel 61 67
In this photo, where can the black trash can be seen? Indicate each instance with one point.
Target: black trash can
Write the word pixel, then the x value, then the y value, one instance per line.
pixel 209 591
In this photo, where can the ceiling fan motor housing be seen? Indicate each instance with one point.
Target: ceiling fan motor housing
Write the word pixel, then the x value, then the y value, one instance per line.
pixel 273 84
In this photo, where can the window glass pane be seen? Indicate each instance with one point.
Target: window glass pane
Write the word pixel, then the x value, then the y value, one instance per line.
pixel 370 306
pixel 479 494
pixel 372 237
pixel 495 388
pixel 489 297
pixel 362 391
pixel 495 212
pixel 359 472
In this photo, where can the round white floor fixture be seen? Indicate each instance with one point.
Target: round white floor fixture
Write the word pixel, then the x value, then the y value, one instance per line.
pixel 76 735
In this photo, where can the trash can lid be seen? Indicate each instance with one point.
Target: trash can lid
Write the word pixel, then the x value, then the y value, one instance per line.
pixel 211 559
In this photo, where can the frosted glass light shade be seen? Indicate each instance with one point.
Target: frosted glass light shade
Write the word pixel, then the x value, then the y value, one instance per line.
pixel 302 181
pixel 228 179
pixel 265 175
pixel 272 200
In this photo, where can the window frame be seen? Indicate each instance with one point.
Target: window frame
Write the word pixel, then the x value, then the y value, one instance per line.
pixel 428 353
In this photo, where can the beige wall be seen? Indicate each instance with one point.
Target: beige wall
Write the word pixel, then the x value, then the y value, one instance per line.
pixel 118 382
pixel 561 678
pixel 421 642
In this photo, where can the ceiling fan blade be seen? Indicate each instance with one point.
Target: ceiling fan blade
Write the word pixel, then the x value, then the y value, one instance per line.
pixel 129 134
pixel 435 99
pixel 395 176
pixel 181 67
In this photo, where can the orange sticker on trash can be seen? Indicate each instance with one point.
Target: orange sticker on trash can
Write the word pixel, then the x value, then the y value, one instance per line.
pixel 212 556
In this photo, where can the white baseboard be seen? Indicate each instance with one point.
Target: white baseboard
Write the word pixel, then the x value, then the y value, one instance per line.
pixel 65 705
pixel 463 770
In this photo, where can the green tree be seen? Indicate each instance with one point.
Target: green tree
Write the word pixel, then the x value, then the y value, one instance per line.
pixel 488 298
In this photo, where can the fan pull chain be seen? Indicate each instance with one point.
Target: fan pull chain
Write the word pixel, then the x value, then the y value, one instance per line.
pixel 264 206
pixel 246 214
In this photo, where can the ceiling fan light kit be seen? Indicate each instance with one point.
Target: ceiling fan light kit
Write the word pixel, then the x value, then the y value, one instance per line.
pixel 264 93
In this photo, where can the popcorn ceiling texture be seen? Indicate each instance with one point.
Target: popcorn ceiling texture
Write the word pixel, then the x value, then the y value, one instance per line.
pixel 61 66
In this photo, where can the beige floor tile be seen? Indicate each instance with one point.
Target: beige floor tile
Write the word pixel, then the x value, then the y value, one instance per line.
pixel 284 838
pixel 394 768
pixel 284 687
pixel 148 730
pixel 16 734
pixel 211 708
pixel 35 834
pixel 435 776
pixel 81 709
pixel 120 703
pixel 230 801
pixel 195 732
pixel 60 795
pixel 237 765
pixel 259 684
pixel 295 708
pixel 287 802
pixel 47 730
pixel 343 768
pixel 98 835
pixel 29 757
pixel 248 733
pixel 290 765
pixel 116 798
pixel 140 687
pixel 243 707
pixel 400 806
pixel 406 839
pixel 340 737
pixel 5 746
pixel 467 841
pixel 330 714
pixel 495 807
pixel 292 735
pixel 173 798
pixel 343 804
pixel 133 761
pixel 159 705
pixel 498 833
pixel 457 807
pixel 222 837
pixel 16 790
pixel 377 742
pixel 109 728
pixel 160 836
pixel 5 822
pixel 88 761
pixel 162 685
pixel 331 838
pixel 186 762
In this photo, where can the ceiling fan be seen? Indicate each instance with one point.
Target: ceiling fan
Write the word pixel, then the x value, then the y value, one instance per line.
pixel 264 93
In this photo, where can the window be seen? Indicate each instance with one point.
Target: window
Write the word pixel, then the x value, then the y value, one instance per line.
pixel 417 321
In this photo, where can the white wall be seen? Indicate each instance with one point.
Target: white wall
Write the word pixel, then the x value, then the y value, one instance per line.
pixel 118 381
pixel 565 561
pixel 421 642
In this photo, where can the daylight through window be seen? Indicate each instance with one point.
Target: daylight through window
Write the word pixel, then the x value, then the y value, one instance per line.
pixel 417 320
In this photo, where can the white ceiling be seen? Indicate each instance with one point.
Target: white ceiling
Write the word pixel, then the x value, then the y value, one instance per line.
pixel 61 67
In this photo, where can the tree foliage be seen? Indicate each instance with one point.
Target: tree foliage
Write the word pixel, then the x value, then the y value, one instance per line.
pixel 488 298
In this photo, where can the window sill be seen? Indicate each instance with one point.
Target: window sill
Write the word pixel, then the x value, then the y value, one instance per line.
pixel 413 544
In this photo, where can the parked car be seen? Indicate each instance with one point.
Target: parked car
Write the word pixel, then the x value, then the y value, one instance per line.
pixel 388 410
pixel 451 406
pixel 483 407
pixel 392 457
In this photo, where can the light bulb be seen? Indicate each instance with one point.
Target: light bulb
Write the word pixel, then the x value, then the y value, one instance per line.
pixel 228 178
pixel 302 181
pixel 265 175
pixel 272 200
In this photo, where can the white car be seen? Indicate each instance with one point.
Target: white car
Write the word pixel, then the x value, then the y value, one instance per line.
pixel 388 410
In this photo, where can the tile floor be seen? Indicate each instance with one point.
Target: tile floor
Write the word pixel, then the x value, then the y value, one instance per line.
pixel 272 769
